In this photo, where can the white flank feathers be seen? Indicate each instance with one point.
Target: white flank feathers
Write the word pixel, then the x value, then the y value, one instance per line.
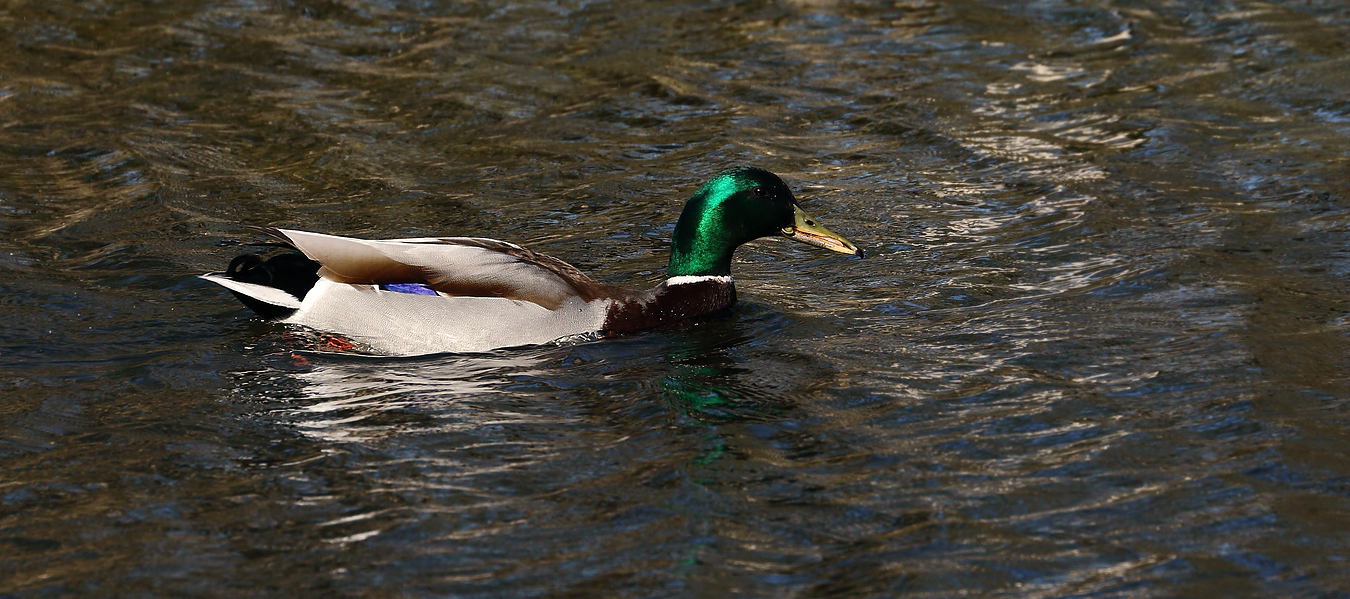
pixel 405 324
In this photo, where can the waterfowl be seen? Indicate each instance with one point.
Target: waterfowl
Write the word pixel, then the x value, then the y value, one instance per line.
pixel 470 294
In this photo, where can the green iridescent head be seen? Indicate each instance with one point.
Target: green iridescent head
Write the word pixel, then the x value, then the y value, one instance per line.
pixel 736 206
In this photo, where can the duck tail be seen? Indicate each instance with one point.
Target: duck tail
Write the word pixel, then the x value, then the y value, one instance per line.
pixel 272 288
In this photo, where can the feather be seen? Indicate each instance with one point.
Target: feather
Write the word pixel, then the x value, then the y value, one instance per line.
pixel 457 266
pixel 406 324
pixel 262 293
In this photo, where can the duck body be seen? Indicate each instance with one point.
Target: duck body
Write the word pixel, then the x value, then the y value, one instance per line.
pixel 490 295
pixel 470 294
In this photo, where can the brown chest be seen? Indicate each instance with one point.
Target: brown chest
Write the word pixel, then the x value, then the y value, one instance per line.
pixel 670 305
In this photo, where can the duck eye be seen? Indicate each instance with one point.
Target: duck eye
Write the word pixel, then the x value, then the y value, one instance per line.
pixel 759 192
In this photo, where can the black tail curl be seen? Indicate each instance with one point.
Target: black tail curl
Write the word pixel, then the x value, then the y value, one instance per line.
pixel 291 272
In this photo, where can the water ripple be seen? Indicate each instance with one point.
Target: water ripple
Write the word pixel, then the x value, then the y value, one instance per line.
pixel 1097 347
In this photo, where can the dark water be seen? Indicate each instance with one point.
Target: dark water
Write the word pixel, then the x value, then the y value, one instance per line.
pixel 1100 347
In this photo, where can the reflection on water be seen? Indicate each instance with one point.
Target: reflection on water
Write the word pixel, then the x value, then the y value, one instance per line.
pixel 345 400
pixel 1098 347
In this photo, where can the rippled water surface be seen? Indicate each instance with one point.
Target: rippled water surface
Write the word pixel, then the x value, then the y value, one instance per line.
pixel 1099 346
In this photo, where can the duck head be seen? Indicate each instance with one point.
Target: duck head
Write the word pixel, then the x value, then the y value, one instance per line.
pixel 739 205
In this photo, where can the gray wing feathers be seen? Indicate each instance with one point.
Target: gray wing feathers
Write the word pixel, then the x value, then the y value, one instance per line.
pixel 460 266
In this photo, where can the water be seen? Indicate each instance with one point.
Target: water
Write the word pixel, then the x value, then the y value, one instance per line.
pixel 1098 348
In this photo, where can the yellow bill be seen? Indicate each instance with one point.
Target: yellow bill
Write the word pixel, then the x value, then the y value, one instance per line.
pixel 805 230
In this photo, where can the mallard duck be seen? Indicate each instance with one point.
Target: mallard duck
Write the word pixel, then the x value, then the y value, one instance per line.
pixel 470 294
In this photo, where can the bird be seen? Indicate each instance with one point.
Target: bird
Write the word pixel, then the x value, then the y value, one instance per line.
pixel 430 295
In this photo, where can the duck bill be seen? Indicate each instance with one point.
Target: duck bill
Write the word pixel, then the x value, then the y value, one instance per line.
pixel 805 230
